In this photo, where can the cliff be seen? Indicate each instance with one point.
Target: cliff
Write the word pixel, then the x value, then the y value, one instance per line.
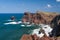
pixel 39 17
pixel 53 19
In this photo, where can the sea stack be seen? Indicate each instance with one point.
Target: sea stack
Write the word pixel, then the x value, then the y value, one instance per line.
pixel 12 17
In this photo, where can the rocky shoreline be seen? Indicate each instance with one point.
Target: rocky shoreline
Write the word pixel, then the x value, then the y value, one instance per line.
pixel 52 19
pixel 39 17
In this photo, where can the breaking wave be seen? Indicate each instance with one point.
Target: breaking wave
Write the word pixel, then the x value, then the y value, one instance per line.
pixel 47 29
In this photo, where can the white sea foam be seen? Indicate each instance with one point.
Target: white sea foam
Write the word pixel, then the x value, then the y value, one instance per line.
pixel 19 22
pixel 23 25
pixel 36 31
pixel 26 25
pixel 26 22
pixel 11 23
pixel 10 20
pixel 46 28
pixel 29 25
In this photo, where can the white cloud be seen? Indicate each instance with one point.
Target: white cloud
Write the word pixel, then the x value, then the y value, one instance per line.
pixel 49 6
pixel 58 0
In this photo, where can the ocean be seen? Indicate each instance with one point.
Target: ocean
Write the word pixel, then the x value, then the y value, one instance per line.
pixel 13 31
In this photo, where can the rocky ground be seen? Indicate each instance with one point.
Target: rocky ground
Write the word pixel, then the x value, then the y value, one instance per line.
pixel 34 37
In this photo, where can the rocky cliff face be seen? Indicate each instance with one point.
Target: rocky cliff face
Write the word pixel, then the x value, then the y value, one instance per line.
pixel 39 17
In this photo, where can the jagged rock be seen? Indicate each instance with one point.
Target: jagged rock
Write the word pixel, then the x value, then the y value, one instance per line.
pixel 40 17
pixel 13 18
pixel 26 37
pixel 34 37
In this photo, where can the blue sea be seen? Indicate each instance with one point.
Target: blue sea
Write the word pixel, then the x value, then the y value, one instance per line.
pixel 13 31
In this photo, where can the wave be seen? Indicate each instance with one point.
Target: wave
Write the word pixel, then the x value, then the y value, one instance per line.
pixel 26 22
pixel 19 22
pixel 47 29
pixel 23 24
pixel 36 31
pixel 10 20
pixel 26 25
pixel 11 23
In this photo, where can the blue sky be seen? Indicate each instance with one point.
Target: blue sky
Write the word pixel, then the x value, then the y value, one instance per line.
pixel 20 6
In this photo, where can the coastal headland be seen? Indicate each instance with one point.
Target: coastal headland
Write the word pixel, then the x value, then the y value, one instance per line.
pixel 47 18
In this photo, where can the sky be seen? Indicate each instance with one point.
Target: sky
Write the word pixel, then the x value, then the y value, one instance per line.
pixel 21 6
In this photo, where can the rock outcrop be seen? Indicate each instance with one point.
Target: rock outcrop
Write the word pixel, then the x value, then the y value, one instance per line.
pixel 35 37
pixel 39 17
pixel 12 18
pixel 26 37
